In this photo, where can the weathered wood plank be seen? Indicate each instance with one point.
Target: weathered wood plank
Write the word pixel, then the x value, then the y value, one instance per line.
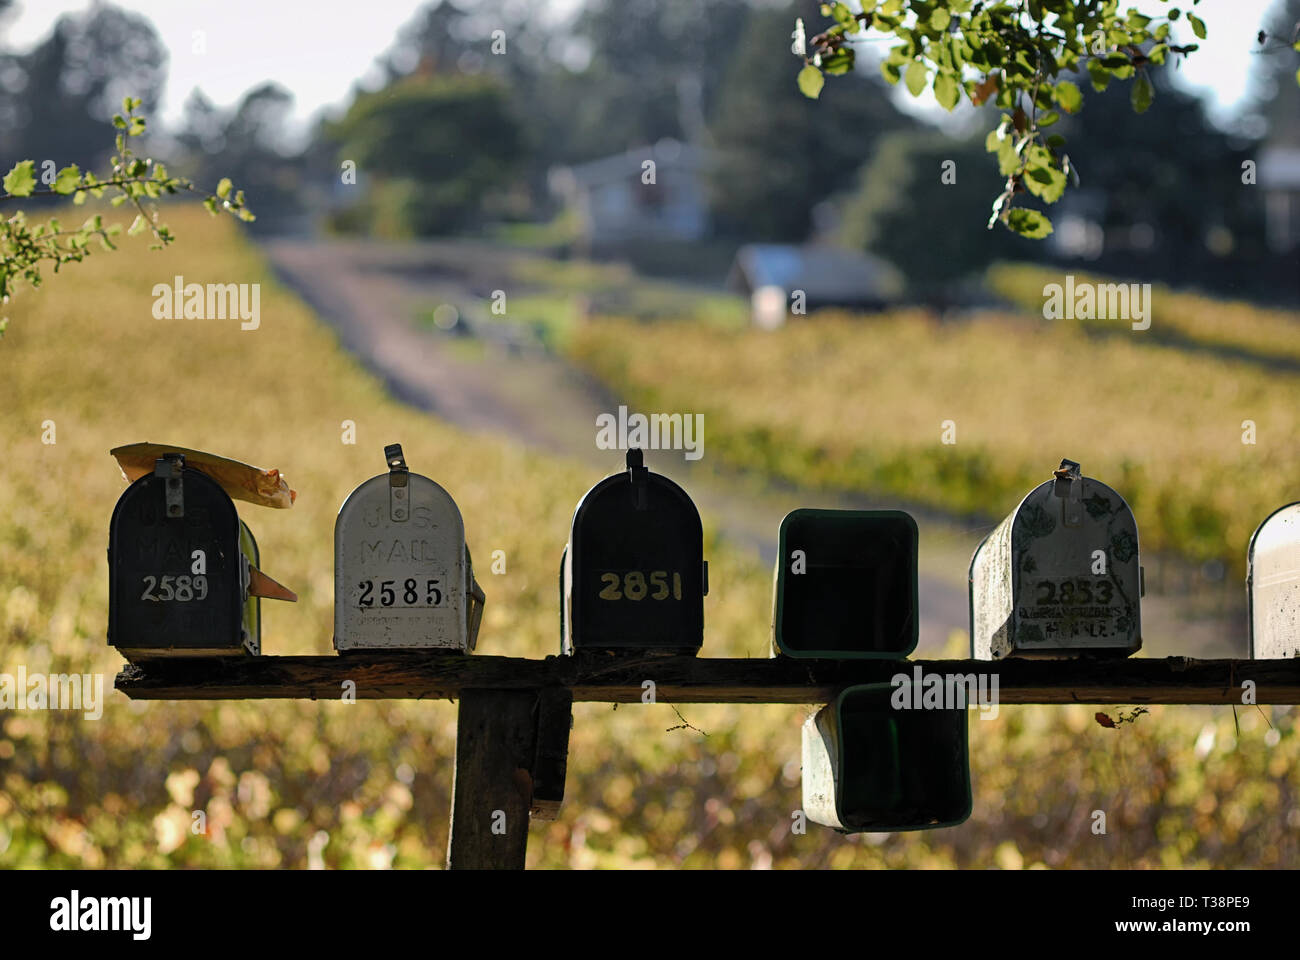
pixel 685 679
pixel 496 735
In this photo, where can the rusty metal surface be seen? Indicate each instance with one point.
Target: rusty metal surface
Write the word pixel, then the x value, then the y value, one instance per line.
pixel 1060 576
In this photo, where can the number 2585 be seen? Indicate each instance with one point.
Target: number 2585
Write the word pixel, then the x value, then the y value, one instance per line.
pixel 407 592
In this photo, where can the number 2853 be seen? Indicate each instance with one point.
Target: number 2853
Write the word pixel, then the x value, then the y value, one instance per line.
pixel 637 585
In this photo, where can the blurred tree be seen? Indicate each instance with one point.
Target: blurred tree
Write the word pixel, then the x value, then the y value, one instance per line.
pixel 655 70
pixel 1171 205
pixel 1276 94
pixel 1174 205
pixel 54 98
pixel 248 144
pixel 435 147
pixel 778 154
pixel 918 178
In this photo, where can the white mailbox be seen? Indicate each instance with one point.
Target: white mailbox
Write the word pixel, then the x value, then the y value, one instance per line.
pixel 1273 586
pixel 1060 576
pixel 402 573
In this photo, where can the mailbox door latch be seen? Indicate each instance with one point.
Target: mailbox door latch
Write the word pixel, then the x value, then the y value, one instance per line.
pixel 171 467
pixel 399 483
pixel 637 472
pixel 1068 486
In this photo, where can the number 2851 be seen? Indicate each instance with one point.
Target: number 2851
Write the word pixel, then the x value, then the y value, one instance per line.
pixel 636 585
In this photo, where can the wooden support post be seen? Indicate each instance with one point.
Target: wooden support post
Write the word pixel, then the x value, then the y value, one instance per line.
pixel 496 741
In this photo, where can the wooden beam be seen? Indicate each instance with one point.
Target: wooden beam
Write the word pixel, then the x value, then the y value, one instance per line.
pixel 496 739
pixel 685 679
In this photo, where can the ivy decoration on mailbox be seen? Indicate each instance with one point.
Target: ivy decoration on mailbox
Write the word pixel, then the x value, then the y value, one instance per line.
pixel 182 565
pixel 872 763
pixel 1273 586
pixel 633 576
pixel 1060 576
pixel 846 585
pixel 403 578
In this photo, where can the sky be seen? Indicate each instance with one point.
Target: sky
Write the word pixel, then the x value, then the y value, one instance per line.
pixel 318 50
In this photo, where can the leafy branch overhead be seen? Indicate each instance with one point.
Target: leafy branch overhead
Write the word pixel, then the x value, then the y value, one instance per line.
pixel 1018 55
pixel 26 244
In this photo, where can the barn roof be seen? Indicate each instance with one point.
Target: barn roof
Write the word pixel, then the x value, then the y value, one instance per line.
pixel 824 272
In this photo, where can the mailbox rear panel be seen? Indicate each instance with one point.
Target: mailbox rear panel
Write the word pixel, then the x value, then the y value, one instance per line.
pixel 1273 586
pixel 400 584
pixel 871 767
pixel 176 584
pixel 1033 589
pixel 635 578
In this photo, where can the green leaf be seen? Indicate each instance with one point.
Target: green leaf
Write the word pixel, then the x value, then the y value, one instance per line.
pixel 1028 223
pixel 21 180
pixel 1198 25
pixel 1068 96
pixel 838 63
pixel 1142 93
pixel 67 180
pixel 810 85
pixel 137 225
pixel 1099 74
pixel 892 71
pixel 940 19
pixel 223 187
pixel 946 91
pixel 915 78
pixel 843 16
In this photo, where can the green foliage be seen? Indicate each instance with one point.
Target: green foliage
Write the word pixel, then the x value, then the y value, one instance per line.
pixel 903 192
pixel 1012 54
pixel 25 245
pixel 435 148
pixel 1231 329
pixel 1162 425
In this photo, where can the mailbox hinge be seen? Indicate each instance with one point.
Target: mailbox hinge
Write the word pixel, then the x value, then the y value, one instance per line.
pixel 637 472
pixel 1069 487
pixel 170 467
pixel 399 481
